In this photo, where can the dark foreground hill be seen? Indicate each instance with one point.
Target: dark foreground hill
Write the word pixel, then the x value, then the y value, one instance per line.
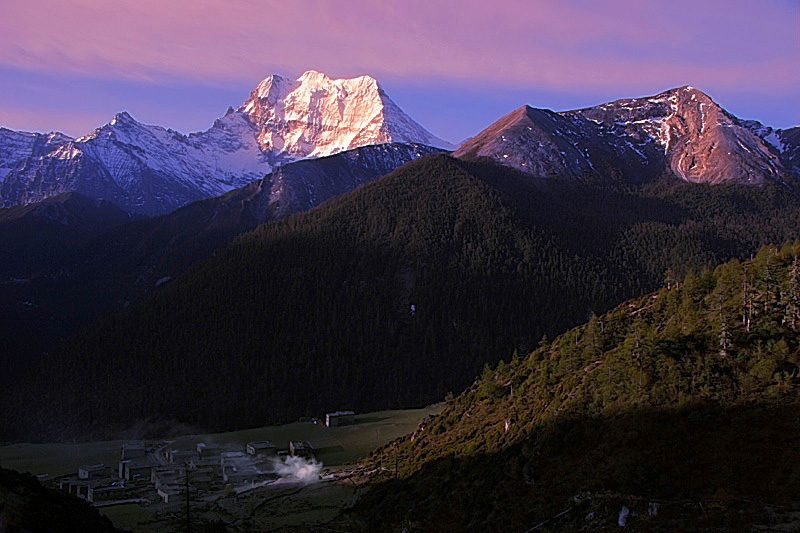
pixel 25 505
pixel 389 296
pixel 680 407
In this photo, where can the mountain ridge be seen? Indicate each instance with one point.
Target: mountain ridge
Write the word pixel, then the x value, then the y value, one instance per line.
pixel 153 170
pixel 681 132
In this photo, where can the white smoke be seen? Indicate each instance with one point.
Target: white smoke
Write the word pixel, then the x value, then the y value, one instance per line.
pixel 294 467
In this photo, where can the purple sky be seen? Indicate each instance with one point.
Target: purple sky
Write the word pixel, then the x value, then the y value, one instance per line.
pixel 455 67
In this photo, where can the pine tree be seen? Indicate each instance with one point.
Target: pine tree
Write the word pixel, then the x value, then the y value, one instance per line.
pixel 544 341
pixel 725 341
pixel 771 284
pixel 747 298
pixel 791 297
pixel 670 279
pixel 594 336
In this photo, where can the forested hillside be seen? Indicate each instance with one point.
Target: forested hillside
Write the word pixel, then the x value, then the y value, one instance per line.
pixel 681 406
pixel 68 270
pixel 34 236
pixel 389 296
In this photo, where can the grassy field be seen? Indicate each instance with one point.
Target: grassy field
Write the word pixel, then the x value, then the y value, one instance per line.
pixel 274 509
pixel 58 459
pixel 334 446
pixel 132 516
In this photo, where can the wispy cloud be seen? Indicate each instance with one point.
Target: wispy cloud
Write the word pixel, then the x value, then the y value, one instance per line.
pixel 455 66
pixel 520 42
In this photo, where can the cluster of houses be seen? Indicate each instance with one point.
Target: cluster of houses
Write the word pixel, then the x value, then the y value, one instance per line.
pixel 152 471
pixel 144 469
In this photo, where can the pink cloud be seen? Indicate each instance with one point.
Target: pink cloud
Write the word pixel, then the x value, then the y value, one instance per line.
pixel 521 43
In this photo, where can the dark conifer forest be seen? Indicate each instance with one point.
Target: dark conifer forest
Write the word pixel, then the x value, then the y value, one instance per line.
pixel 389 296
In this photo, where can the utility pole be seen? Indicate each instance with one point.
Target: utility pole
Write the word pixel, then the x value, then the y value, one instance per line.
pixel 188 519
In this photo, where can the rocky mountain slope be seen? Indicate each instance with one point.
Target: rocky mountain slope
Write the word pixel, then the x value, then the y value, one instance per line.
pixel 153 170
pixel 304 184
pixel 681 132
pixel 674 411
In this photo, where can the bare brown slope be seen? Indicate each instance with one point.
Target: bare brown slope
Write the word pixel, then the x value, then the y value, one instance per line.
pixel 682 132
pixel 708 145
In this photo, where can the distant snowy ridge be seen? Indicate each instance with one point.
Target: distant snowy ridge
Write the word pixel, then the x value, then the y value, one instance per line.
pixel 154 170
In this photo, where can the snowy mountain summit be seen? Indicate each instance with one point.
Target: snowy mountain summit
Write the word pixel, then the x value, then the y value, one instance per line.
pixel 154 170
pixel 315 116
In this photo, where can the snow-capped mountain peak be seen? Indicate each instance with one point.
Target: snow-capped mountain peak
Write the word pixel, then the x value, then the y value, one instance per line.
pixel 316 115
pixel 122 118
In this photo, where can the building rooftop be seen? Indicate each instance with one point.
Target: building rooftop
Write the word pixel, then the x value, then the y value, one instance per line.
pixel 261 445
pixel 232 455
pixel 139 462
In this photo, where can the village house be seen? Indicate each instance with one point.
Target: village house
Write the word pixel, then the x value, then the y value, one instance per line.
pixel 93 471
pixel 230 457
pixel 301 449
pixel 247 474
pixel 205 451
pixel 170 493
pixel 167 475
pixel 132 450
pixel 111 493
pixel 340 418
pixel 212 464
pixel 263 449
pixel 203 478
pixel 131 469
pixel 180 456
